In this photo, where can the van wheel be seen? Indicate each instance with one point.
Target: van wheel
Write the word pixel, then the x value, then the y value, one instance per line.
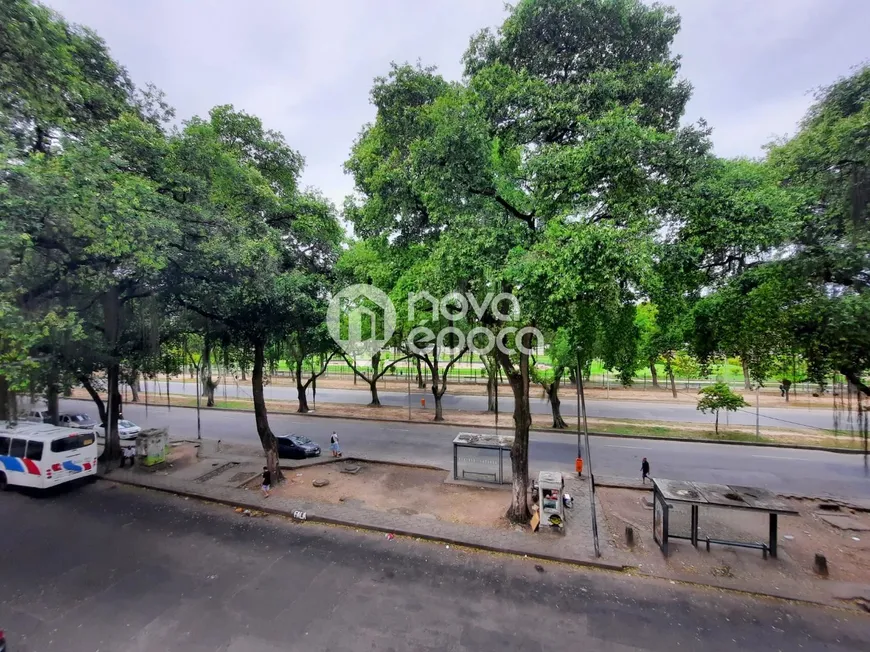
pixel 3 483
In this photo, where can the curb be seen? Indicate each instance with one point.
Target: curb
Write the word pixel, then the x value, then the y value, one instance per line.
pixel 313 518
pixel 846 451
pixel 598 565
pixel 366 460
pixel 748 592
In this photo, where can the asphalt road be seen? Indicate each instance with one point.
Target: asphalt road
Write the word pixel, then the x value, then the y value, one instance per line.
pixel 605 409
pixel 782 470
pixel 107 568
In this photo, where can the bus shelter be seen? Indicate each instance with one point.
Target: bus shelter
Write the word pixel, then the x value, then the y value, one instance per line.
pixel 482 457
pixel 697 494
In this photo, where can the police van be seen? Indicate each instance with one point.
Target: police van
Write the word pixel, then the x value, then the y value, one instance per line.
pixel 42 455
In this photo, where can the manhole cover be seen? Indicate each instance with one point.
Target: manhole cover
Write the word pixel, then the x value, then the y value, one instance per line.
pixel 320 483
pixel 216 472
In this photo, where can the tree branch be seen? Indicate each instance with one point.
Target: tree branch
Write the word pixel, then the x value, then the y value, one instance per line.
pixel 321 372
pixel 855 379
pixel 390 366
pixel 443 376
pixel 354 367
pixel 528 218
pixel 89 388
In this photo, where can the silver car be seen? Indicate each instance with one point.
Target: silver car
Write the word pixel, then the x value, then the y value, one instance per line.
pixel 82 421
pixel 126 429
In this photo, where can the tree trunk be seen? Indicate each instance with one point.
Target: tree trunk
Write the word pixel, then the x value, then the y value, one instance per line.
pixel 4 394
pixel 112 328
pixel 654 375
pixel 519 509
pixel 373 386
pixel 373 383
pixel 439 412
pixel 134 388
pixel 267 439
pixel 53 400
pixel 420 383
pixel 519 382
pixel 673 381
pixel 555 404
pixel 300 389
pixel 492 393
pixel 491 383
pixel 208 383
pixel 747 381
pixel 112 449
pixel 717 422
pixel 95 397
pixel 11 407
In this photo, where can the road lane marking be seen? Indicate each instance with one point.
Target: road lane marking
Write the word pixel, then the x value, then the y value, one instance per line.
pixel 783 457
pixel 623 446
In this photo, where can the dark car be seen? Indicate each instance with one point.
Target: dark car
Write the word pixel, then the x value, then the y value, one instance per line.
pixel 296 447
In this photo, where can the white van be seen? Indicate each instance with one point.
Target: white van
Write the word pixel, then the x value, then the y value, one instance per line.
pixel 42 455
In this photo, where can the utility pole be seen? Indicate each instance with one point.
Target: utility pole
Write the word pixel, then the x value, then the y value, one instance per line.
pixel 579 448
pixel 757 416
pixel 588 456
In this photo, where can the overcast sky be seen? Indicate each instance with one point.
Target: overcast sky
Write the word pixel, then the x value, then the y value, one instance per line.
pixel 306 67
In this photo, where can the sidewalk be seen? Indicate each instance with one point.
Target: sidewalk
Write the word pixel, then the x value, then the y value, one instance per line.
pixel 220 476
pixel 220 473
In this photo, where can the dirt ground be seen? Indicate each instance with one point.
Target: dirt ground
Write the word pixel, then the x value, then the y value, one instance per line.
pixel 181 454
pixel 399 490
pixel 800 538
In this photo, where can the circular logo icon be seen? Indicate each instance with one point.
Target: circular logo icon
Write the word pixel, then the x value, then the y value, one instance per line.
pixel 366 314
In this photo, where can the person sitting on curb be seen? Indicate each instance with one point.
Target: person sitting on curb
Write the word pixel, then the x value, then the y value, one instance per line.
pixel 267 482
pixel 128 453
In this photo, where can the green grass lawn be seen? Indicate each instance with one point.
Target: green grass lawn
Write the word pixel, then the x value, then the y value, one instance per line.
pixel 731 372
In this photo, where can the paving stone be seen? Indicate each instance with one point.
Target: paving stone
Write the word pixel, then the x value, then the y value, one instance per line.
pixel 844 522
pixel 576 545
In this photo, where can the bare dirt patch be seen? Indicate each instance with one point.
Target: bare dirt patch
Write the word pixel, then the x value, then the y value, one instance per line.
pixel 399 490
pixel 800 538
pixel 181 455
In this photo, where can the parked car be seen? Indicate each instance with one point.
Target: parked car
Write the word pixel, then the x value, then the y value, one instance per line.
pixel 296 447
pixel 82 421
pixel 126 429
pixel 37 415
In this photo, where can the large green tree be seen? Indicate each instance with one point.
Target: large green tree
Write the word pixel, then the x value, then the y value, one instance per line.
pixel 567 131
pixel 255 250
pixel 827 167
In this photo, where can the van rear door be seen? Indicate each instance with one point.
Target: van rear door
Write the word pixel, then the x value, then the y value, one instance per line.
pixel 71 455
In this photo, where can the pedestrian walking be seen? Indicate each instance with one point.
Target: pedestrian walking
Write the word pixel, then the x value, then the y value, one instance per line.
pixel 128 453
pixel 644 470
pixel 334 445
pixel 267 482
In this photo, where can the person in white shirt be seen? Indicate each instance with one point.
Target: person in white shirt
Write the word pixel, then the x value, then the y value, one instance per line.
pixel 334 446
